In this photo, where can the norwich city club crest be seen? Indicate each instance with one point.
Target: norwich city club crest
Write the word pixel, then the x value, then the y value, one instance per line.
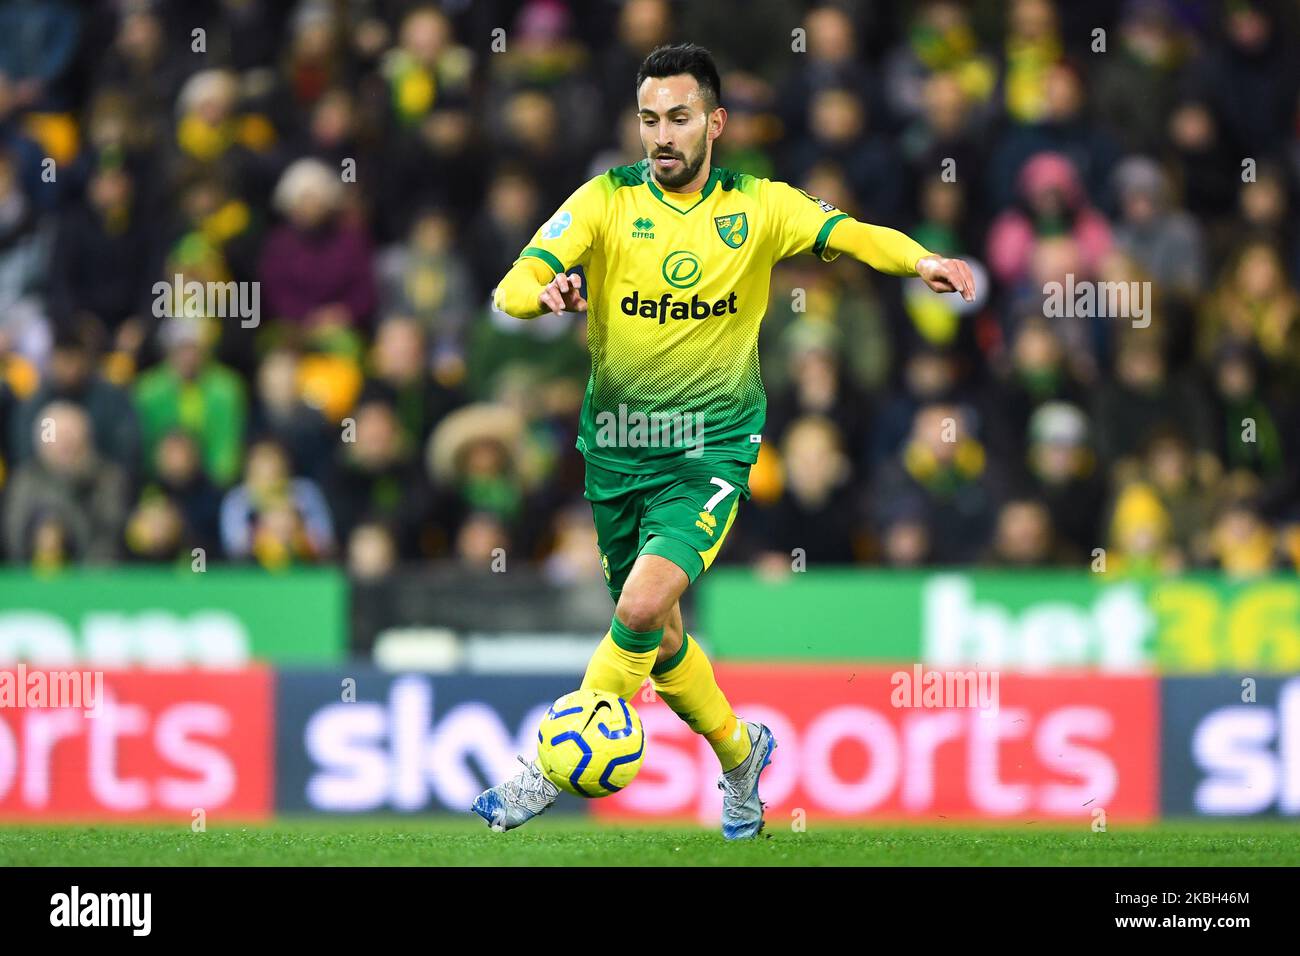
pixel 733 229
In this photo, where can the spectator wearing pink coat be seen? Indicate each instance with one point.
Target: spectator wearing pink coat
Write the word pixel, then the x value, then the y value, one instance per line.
pixel 1053 205
pixel 317 269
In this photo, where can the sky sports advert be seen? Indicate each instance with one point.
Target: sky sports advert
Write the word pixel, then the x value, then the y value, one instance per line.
pixel 875 744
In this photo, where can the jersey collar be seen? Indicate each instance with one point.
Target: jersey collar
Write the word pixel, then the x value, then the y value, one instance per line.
pixel 715 177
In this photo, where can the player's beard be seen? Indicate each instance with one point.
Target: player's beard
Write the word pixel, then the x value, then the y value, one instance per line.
pixel 690 168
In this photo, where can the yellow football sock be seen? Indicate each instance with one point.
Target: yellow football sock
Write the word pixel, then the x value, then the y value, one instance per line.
pixel 686 683
pixel 622 660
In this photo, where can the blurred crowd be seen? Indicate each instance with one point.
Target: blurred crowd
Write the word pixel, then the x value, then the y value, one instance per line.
pixel 367 170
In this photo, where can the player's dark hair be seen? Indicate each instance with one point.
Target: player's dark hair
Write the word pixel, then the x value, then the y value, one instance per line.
pixel 678 58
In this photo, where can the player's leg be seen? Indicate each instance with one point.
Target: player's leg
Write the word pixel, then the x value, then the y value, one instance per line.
pixel 646 639
pixel 673 635
pixel 684 678
pixel 646 573
pixel 622 660
pixel 678 521
pixel 688 524
pixel 646 601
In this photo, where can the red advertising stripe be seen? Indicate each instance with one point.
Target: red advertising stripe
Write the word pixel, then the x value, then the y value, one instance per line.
pixel 857 743
pixel 163 745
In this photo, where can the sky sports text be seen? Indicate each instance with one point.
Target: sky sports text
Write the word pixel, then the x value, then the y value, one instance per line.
pixel 75 908
pixel 52 689
pixel 840 758
pixel 249 743
pixel 167 742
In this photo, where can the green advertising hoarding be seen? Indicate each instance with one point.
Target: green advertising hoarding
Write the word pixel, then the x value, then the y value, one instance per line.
pixel 1026 620
pixel 157 617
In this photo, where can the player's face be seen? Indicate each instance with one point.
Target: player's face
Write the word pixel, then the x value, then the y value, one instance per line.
pixel 677 128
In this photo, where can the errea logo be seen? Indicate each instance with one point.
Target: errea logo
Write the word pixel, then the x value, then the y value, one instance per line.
pixel 643 228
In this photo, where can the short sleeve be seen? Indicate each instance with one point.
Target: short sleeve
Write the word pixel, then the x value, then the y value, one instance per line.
pixel 567 238
pixel 804 222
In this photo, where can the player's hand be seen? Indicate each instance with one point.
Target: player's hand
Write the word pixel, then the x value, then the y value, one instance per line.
pixel 947 275
pixel 563 294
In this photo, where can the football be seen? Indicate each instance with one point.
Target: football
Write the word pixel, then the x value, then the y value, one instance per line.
pixel 590 743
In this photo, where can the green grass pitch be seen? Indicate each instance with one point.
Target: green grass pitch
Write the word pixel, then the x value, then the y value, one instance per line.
pixel 560 842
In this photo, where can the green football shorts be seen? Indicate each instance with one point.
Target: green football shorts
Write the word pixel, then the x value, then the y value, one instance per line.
pixel 682 515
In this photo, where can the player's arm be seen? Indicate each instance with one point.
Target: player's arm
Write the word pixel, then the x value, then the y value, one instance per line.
pixel 812 225
pixel 885 250
pixel 538 281
pixel 531 287
pixel 897 254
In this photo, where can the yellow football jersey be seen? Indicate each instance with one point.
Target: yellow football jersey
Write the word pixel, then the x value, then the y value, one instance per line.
pixel 676 286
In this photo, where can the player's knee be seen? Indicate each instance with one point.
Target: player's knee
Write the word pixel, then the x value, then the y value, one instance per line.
pixel 641 611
